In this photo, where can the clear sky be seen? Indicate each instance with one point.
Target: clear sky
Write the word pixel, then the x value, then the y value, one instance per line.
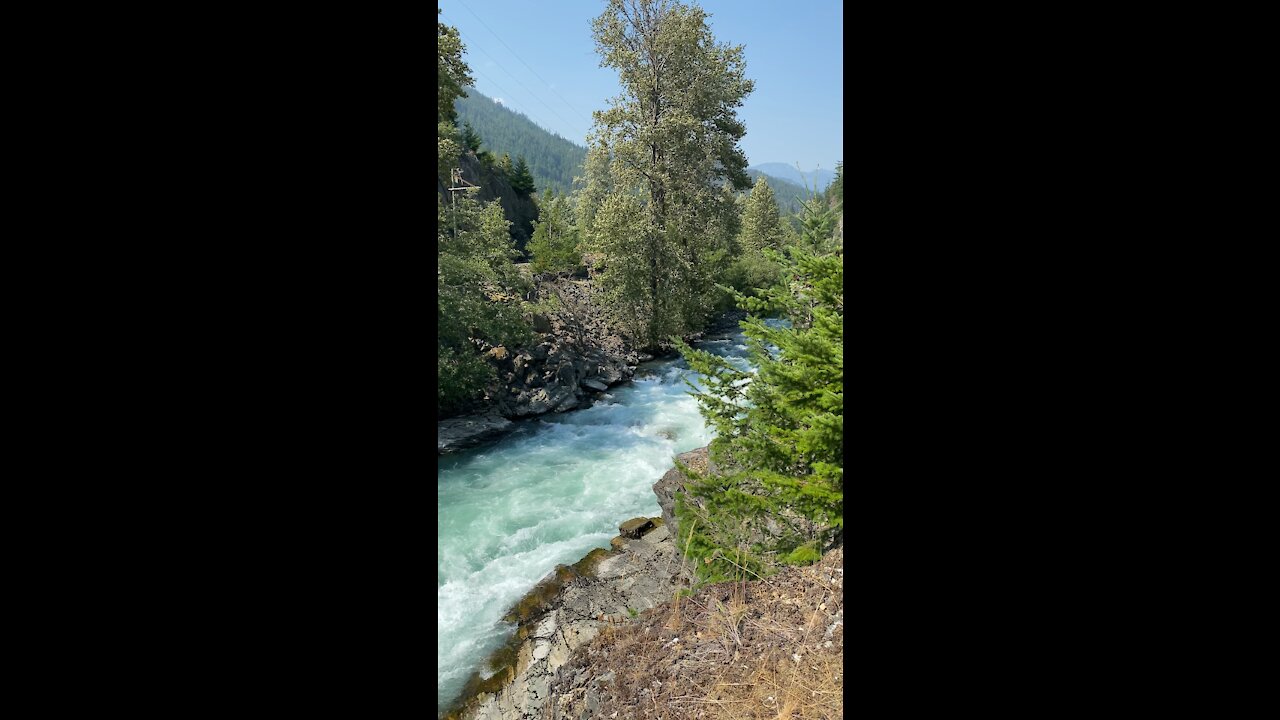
pixel 540 59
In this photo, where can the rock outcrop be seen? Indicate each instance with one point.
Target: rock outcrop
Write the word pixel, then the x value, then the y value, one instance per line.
pixel 567 610
pixel 576 356
pixel 461 433
pixel 673 482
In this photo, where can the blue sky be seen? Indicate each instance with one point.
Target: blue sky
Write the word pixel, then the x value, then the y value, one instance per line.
pixel 540 59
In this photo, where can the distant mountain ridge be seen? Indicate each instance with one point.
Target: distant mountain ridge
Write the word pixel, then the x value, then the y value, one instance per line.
pixel 818 180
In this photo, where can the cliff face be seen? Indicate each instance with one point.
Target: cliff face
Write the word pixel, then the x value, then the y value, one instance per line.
pixel 519 209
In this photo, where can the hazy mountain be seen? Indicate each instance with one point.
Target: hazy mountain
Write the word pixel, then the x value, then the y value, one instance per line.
pixel 787 194
pixel 821 177
pixel 553 161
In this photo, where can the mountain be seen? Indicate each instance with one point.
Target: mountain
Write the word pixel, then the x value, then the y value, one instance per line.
pixel 818 179
pixel 553 161
pixel 787 194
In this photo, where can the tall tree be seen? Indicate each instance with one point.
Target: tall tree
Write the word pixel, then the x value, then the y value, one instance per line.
pixel 470 138
pixel 661 153
pixel 521 180
pixel 779 490
pixel 453 73
pixel 761 224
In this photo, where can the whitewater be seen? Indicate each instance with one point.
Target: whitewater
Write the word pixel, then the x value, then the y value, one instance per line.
pixel 548 493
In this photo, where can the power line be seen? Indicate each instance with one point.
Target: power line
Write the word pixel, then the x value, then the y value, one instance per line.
pixel 567 123
pixel 535 72
pixel 571 125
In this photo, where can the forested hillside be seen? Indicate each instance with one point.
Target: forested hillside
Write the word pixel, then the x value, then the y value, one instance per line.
pixel 817 180
pixel 788 195
pixel 552 160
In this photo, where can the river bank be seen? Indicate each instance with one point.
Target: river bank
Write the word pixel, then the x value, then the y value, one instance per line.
pixel 547 492
pixel 575 362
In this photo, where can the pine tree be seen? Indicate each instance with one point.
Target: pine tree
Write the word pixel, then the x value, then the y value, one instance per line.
pixel 505 166
pixel 658 157
pixel 521 180
pixel 779 489
pixel 761 224
pixel 469 137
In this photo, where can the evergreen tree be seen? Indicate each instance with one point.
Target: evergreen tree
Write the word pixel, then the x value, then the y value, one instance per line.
pixel 521 180
pixel 469 137
pixel 453 74
pixel 505 165
pixel 778 493
pixel 661 152
pixel 817 225
pixel 761 224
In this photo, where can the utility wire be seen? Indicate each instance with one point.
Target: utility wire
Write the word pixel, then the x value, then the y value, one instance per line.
pixel 535 72
pixel 571 125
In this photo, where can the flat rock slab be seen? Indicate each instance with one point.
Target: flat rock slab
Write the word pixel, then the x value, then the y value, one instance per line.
pixel 594 384
pixel 461 433
pixel 635 528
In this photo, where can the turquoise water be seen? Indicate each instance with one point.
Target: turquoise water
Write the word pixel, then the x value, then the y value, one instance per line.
pixel 547 494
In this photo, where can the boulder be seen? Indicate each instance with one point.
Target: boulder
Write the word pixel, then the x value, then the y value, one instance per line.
pixel 460 433
pixel 635 528
pixel 594 384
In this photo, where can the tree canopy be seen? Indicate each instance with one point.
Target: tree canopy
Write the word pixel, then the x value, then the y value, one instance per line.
pixel 658 204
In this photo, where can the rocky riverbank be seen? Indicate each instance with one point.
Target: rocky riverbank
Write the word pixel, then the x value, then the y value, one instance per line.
pixel 578 354
pixel 566 611
pixel 619 634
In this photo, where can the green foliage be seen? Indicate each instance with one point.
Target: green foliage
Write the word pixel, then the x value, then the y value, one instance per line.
pixel 817 226
pixel 521 180
pixel 453 74
pixel 448 148
pixel 553 160
pixel 479 291
pixel 554 245
pixel 752 272
pixel 761 225
pixel 786 194
pixel 762 229
pixel 835 191
pixel 656 203
pixel 779 440
pixel 469 138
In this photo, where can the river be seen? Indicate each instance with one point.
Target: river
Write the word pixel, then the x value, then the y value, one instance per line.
pixel 548 493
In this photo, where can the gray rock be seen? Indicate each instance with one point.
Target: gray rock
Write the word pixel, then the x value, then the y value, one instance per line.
pixel 569 403
pixel 673 482
pixel 594 384
pixel 457 434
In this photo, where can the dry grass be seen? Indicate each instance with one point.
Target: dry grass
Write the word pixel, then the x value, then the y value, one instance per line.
pixel 745 650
